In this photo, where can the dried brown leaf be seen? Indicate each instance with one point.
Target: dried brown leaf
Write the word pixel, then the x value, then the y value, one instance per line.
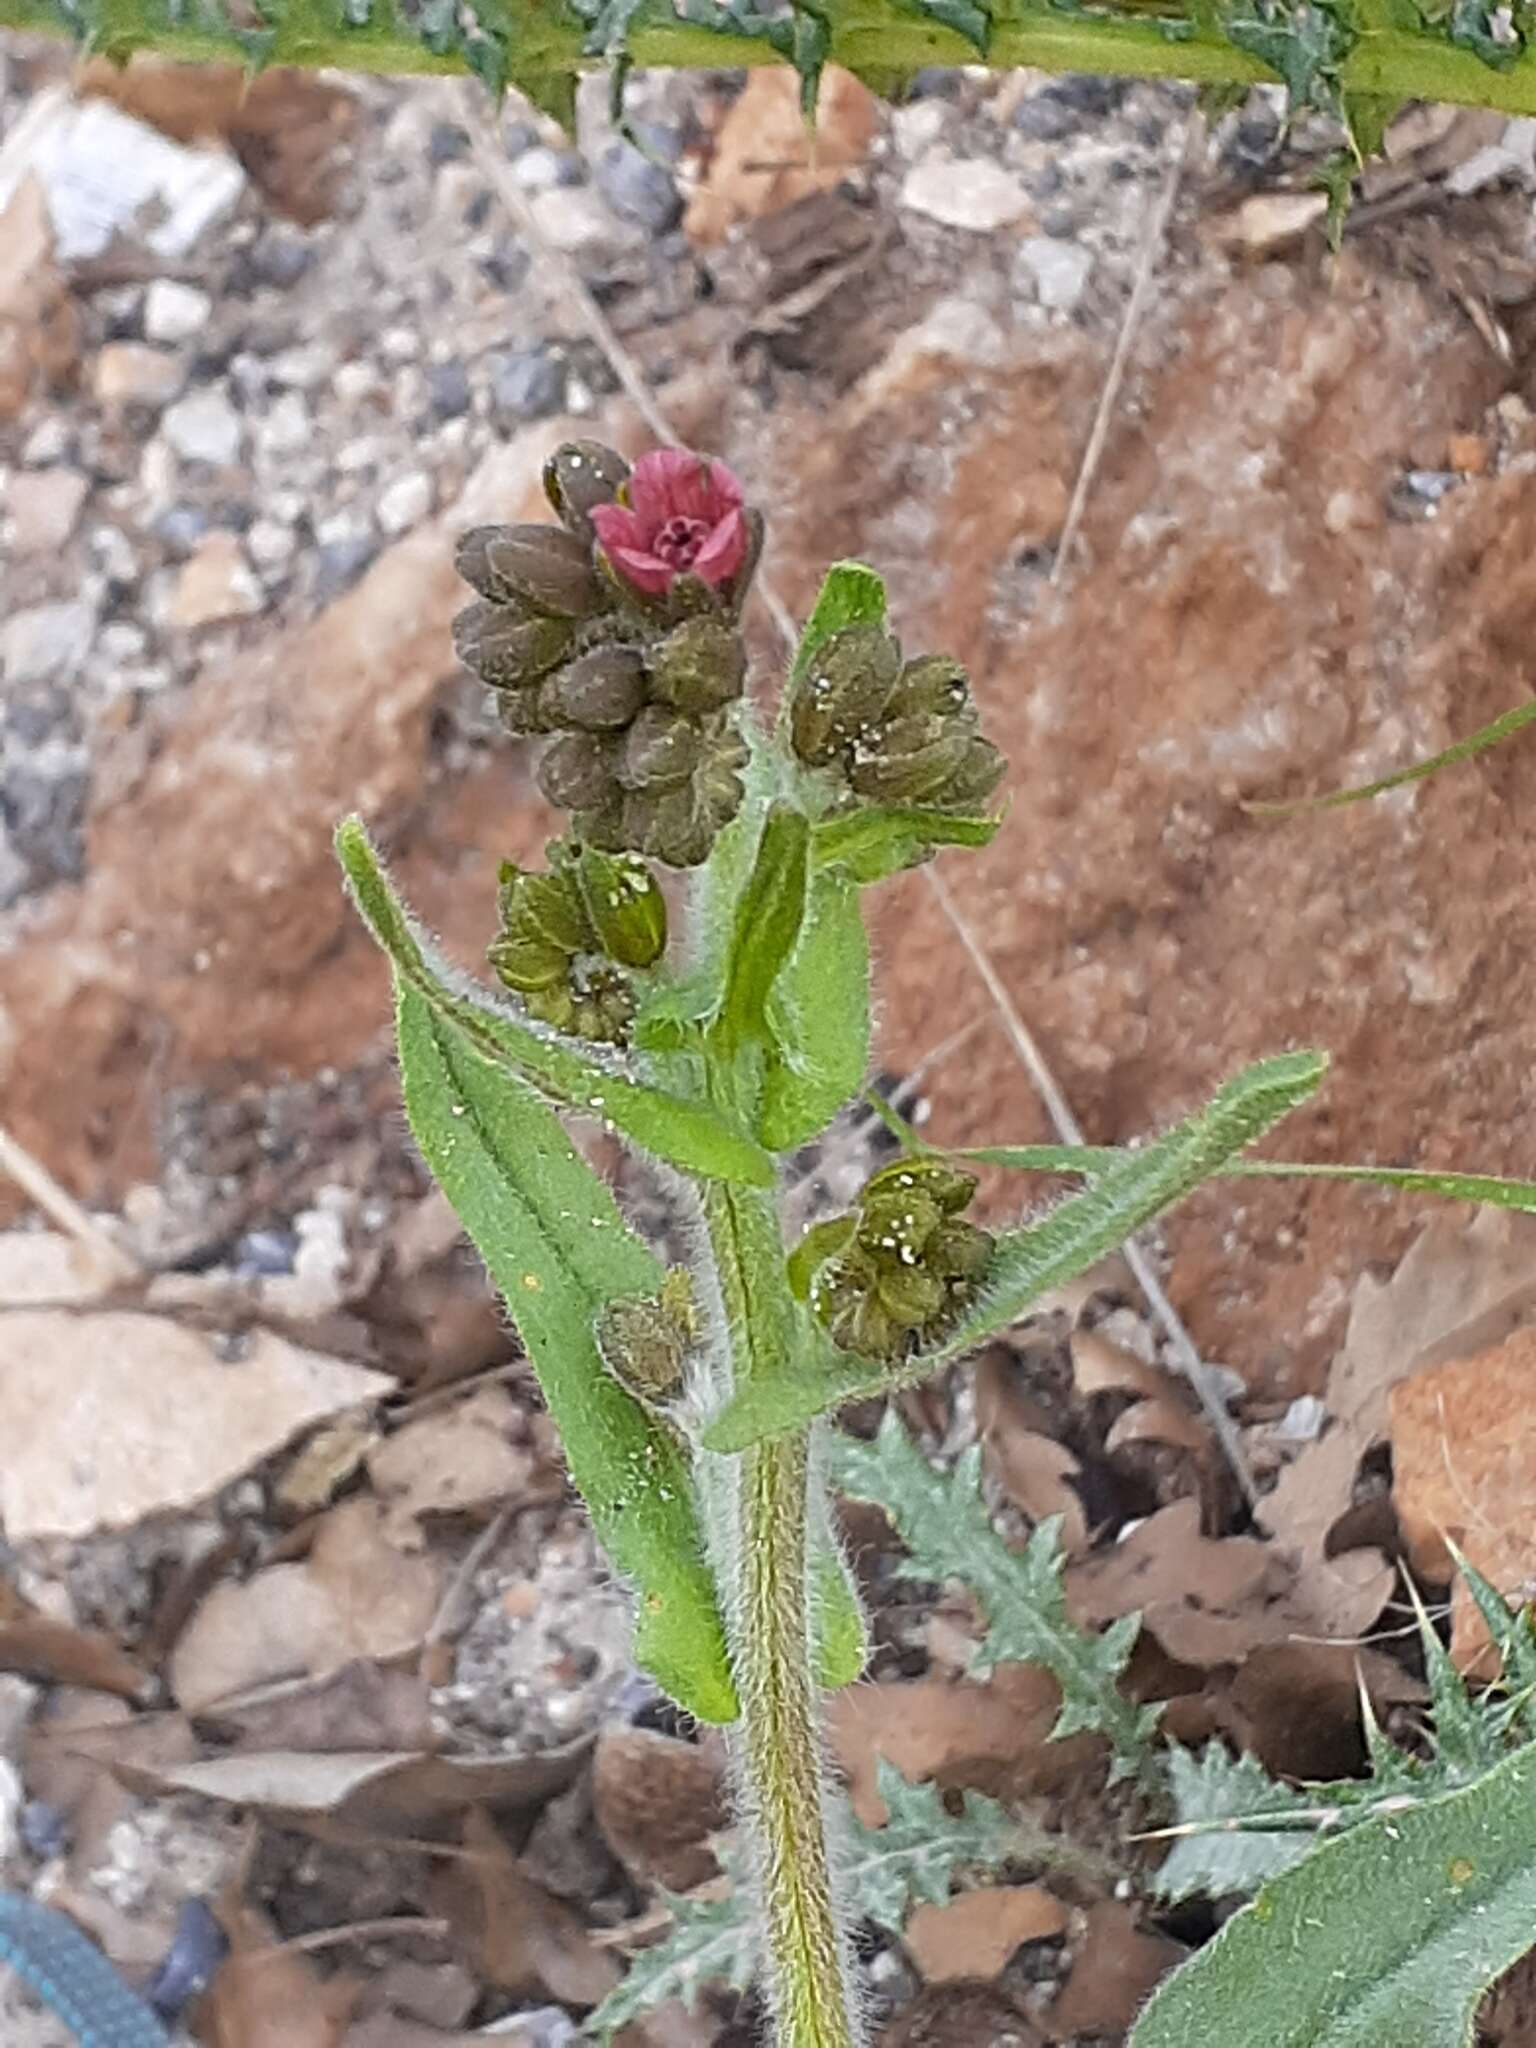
pixel 766 158
pixel 524 1939
pixel 110 1417
pixel 460 1459
pixel 974 1935
pixel 962 2016
pixel 1114 1972
pixel 1099 1367
pixel 657 1800
pixel 1033 1470
pixel 362 1706
pixel 268 1996
pixel 325 1464
pixel 63 1655
pixel 990 1736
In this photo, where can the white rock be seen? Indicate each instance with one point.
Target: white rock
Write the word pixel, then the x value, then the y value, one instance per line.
pixel 287 427
pixel 120 641
pixel 44 505
pixel 132 373
pixel 302 369
pixel 46 643
pixel 572 218
pixel 537 169
pixel 965 192
pixel 270 544
pixel 400 344
pixel 174 311
pixel 1060 270
pixel 204 427
pixel 918 126
pixel 47 442
pixel 215 584
pixel 354 382
pixel 406 502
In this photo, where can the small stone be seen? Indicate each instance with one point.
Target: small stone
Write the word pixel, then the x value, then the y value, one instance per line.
pixel 918 125
pixel 204 427
pixel 527 384
pixel 181 527
pixel 638 189
pixel 47 442
pixel 338 565
pixel 573 219
pixel 46 642
pixel 1270 220
pixel 965 192
pixel 447 143
pixel 1088 93
pixel 507 264
pixel 405 502
pixel 448 390
pixel 538 169
pixel 1060 270
pixel 1045 117
pixel 174 311
pixel 1468 453
pixel 302 369
pixel 280 259
pixel 269 544
pixel 287 427
pixel 1349 511
pixel 44 505
pixel 121 641
pixel 400 344
pixel 42 805
pixel 215 585
pixel 113 554
pixel 133 373
pixel 354 382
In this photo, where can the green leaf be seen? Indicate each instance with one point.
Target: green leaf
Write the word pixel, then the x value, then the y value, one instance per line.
pixel 965 17
pixel 713 1941
pixel 850 595
pixel 1486 736
pixel 557 1248
pixel 872 843
pixel 685 1134
pixel 1135 1186
pixel 1304 41
pixel 821 1013
pixel 842 1639
pixel 945 1525
pixel 1389 1934
pixel 769 914
pixel 1207 1790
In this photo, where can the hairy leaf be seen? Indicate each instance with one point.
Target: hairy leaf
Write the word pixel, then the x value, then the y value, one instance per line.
pixel 685 1134
pixel 945 1525
pixel 821 1005
pixel 1390 1933
pixel 556 1246
pixel 876 841
pixel 769 915
pixel 1211 1788
pixel 850 595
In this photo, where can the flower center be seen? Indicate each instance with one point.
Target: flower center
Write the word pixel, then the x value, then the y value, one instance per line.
pixel 679 541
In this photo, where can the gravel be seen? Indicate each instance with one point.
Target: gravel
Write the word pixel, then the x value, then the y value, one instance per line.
pixel 527 384
pixel 204 427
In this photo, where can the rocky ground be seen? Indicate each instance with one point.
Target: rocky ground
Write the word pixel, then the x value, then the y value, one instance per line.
pixel 251 384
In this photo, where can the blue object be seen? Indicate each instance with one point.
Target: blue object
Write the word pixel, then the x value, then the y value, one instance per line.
pixel 191 1962
pixel 72 1976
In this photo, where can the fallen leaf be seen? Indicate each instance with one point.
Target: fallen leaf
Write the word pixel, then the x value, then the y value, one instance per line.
pixel 767 157
pixel 962 2016
pixel 325 1464
pixel 110 1417
pixel 1463 1285
pixel 362 1706
pixel 64 1655
pixel 1114 1972
pixel 71 1752
pixel 1162 1419
pixel 375 1790
pixel 975 1934
pixel 357 1594
pixel 1032 1469
pixel 461 1459
pixel 1099 1367
pixel 268 1996
pixel 1267 221
pixel 525 1939
pixel 39 325
pixel 1296 1706
pixel 657 1800
pixel 1464 1469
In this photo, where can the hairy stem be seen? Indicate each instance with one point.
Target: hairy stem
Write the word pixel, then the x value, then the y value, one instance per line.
pixel 760 1534
pixel 781 1751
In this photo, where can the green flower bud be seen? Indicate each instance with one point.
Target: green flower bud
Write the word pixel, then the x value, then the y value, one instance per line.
pixel 548 907
pixel 980 771
pixel 897 1284
pixel 518 712
pixel 957 1250
pixel 950 1188
pixel 602 825
pixel 505 648
pixel 661 750
pixel 846 688
pixel 579 475
pixel 542 568
pixel 895 1224
pixel 645 1339
pixel 528 965
pixel 922 774
pixel 577 772
pixel 604 1006
pixel 932 683
pixel 910 1295
pixel 700 666
pixel 625 905
pixel 600 691
pixel 668 825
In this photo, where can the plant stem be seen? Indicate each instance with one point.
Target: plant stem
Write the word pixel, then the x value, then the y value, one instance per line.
pixel 782 1751
pixel 760 1535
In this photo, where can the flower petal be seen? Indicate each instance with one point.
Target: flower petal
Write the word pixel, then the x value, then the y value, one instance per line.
pixel 724 551
pixel 645 571
pixel 617 526
pixel 660 483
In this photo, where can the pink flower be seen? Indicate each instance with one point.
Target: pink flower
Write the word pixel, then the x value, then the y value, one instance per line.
pixel 683 516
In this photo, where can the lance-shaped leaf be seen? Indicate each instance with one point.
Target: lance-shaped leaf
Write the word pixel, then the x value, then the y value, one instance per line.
pixel 685 1134
pixel 1130 1191
pixel 559 1251
pixel 945 1525
pixel 769 914
pixel 1388 1934
pixel 871 843
pixel 820 1051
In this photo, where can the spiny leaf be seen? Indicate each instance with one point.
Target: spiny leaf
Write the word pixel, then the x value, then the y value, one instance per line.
pixel 559 1251
pixel 713 1941
pixel 1488 735
pixel 1304 41
pixel 1390 1933
pixel 1212 1787
pixel 945 1525
pixel 683 1133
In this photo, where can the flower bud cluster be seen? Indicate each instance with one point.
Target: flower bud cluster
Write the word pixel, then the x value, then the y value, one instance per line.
pixel 897 1272
pixel 616 633
pixel 568 935
pixel 897 732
